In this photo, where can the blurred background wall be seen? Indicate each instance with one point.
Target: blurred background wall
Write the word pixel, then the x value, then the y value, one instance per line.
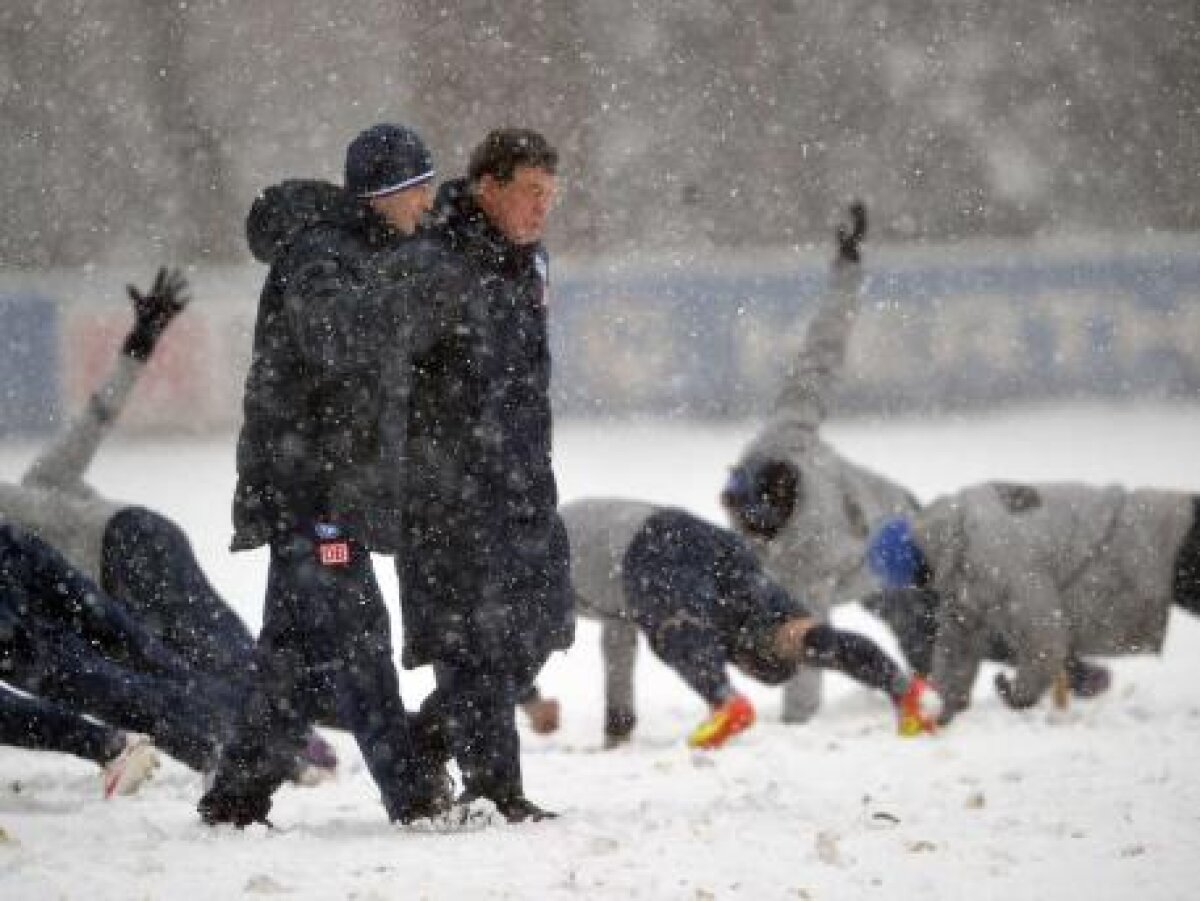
pixel 135 127
pixel 944 328
pixel 1031 167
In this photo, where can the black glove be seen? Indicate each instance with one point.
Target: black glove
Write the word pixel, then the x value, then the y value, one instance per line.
pixel 850 237
pixel 154 311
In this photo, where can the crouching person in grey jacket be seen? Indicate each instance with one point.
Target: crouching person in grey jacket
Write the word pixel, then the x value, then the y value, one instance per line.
pixel 1044 571
pixel 703 601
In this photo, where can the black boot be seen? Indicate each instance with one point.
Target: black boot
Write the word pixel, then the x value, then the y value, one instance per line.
pixel 217 809
pixel 1087 680
pixel 514 808
pixel 433 801
pixel 519 809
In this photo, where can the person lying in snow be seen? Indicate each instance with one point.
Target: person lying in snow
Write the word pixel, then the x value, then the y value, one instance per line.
pixel 807 511
pixel 126 759
pixel 703 601
pixel 64 640
pixel 136 555
pixel 1050 570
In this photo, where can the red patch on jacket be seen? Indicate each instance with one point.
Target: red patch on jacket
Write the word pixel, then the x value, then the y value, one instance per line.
pixel 334 553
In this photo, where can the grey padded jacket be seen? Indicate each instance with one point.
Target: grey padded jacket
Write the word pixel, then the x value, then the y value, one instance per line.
pixel 1055 569
pixel 818 554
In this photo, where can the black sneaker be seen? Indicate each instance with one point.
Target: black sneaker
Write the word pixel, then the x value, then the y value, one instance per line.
pixel 220 810
pixel 1087 680
pixel 520 809
pixel 434 802
pixel 514 809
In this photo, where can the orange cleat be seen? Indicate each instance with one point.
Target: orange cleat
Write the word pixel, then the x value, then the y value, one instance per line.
pixel 919 708
pixel 734 716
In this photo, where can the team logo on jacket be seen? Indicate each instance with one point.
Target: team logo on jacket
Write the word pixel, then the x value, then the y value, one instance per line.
pixel 334 553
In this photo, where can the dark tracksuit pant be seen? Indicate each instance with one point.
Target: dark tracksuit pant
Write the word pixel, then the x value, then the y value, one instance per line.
pixel 325 634
pixel 62 639
pixel 40 725
pixel 702 600
pixel 471 716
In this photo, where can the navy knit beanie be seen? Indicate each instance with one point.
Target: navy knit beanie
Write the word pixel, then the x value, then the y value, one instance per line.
pixel 386 158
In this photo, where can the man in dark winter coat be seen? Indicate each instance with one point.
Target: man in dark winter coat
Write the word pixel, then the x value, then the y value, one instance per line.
pixel 1050 571
pixel 484 569
pixel 314 478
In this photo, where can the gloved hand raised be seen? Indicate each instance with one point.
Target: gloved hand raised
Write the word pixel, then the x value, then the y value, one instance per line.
pixel 154 311
pixel 735 715
pixel 850 237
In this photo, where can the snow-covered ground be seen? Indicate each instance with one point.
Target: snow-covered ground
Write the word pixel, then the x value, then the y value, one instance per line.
pixel 1100 802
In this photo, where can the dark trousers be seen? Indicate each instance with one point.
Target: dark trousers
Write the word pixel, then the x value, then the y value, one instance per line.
pixel 149 564
pixel 702 599
pixel 471 715
pixel 72 644
pixel 39 725
pixel 325 635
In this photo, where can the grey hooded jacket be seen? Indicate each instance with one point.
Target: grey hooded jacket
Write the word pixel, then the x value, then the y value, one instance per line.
pixel 818 554
pixel 53 501
pixel 1055 569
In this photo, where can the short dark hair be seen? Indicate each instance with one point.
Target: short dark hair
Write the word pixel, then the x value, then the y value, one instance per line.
pixel 505 150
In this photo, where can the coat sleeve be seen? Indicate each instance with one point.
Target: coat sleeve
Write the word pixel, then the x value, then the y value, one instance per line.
pixel 335 316
pixel 414 306
pixel 813 373
pixel 64 462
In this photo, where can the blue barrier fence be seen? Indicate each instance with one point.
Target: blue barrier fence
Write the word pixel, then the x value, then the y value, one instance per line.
pixel 931 336
pixel 955 328
pixel 29 364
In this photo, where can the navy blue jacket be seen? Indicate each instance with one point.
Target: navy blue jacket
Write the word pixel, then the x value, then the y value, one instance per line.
pixel 311 447
pixel 484 567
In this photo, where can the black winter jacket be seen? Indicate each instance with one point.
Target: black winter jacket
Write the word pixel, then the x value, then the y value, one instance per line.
pixel 310 448
pixel 484 568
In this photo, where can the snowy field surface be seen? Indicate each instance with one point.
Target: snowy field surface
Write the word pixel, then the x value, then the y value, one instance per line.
pixel 1100 802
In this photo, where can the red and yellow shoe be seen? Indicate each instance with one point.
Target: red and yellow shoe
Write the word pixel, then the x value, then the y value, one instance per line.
pixel 918 710
pixel 734 716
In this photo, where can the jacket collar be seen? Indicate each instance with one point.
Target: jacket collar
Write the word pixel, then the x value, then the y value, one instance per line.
pixel 468 228
pixel 377 230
